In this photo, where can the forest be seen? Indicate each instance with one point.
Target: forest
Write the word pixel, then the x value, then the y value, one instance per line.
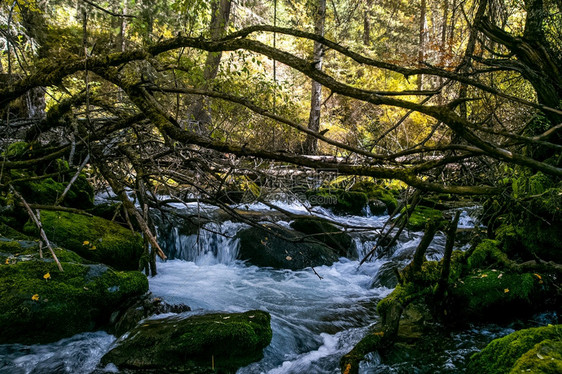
pixel 280 186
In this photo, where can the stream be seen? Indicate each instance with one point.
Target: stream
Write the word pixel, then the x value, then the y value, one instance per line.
pixel 315 318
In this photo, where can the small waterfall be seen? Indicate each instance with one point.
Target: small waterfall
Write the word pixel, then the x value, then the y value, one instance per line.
pixel 212 244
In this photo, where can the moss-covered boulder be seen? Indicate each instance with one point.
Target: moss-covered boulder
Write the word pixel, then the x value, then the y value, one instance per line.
pixel 282 248
pixel 41 304
pixel 534 350
pixel 192 344
pixel 93 238
pixel 422 215
pixel 378 193
pixel 325 232
pixel 48 190
pixel 496 295
pixel 338 200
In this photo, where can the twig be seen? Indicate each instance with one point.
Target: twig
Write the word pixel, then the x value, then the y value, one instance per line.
pixel 38 224
pixel 61 197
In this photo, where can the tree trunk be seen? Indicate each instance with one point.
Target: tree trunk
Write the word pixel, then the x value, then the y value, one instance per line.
pixel 199 112
pixel 421 46
pixel 311 143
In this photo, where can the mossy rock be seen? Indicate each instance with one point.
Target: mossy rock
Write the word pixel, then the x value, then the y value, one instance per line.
pixel 490 295
pixel 545 357
pixel 93 238
pixel 534 350
pixel 325 232
pixel 47 191
pixel 189 344
pixel 40 304
pixel 377 192
pixel 422 215
pixel 339 201
pixel 262 248
pixel 487 253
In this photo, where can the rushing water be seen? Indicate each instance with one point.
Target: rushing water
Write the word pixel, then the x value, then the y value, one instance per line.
pixel 316 317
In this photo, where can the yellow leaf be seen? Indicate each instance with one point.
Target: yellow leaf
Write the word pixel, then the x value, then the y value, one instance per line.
pixel 7 261
pixel 93 248
pixel 538 276
pixel 47 276
pixel 380 333
pixel 506 290
pixel 347 369
pixel 35 297
pixel 86 242
pixel 483 275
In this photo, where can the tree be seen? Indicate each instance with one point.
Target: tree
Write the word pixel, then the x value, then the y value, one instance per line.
pixel 311 144
pixel 119 108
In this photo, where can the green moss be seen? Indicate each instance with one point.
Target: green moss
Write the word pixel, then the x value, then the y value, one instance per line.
pixel 503 354
pixel 79 299
pixel 486 254
pixel 340 201
pixel 544 358
pixel 94 238
pixel 47 191
pixel 377 192
pixel 489 294
pixel 231 340
pixel 16 149
pixel 422 215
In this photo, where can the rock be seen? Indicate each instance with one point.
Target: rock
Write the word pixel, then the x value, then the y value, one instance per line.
pixel 40 304
pixel 191 344
pixel 93 238
pixel 263 248
pixel 422 215
pixel 325 232
pixel 377 194
pixel 47 191
pixel 490 295
pixel 386 276
pixel 535 350
pixel 126 319
pixel 340 201
pixel 377 207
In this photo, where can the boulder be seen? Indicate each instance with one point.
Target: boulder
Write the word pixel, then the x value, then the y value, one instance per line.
pixel 93 238
pixel 491 294
pixel 40 304
pixel 422 215
pixel 325 232
pixel 386 275
pixel 340 201
pixel 126 319
pixel 193 344
pixel 534 350
pixel 265 247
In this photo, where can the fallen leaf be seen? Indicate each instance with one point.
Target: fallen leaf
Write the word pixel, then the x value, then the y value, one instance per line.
pixel 35 297
pixel 288 258
pixel 93 248
pixel 506 290
pixel 501 275
pixel 47 276
pixel 380 333
pixel 483 275
pixel 86 242
pixel 537 275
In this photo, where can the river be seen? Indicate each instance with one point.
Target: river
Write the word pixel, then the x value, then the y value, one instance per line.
pixel 315 317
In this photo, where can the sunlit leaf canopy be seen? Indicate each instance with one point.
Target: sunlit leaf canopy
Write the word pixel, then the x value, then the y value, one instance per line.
pixel 438 102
